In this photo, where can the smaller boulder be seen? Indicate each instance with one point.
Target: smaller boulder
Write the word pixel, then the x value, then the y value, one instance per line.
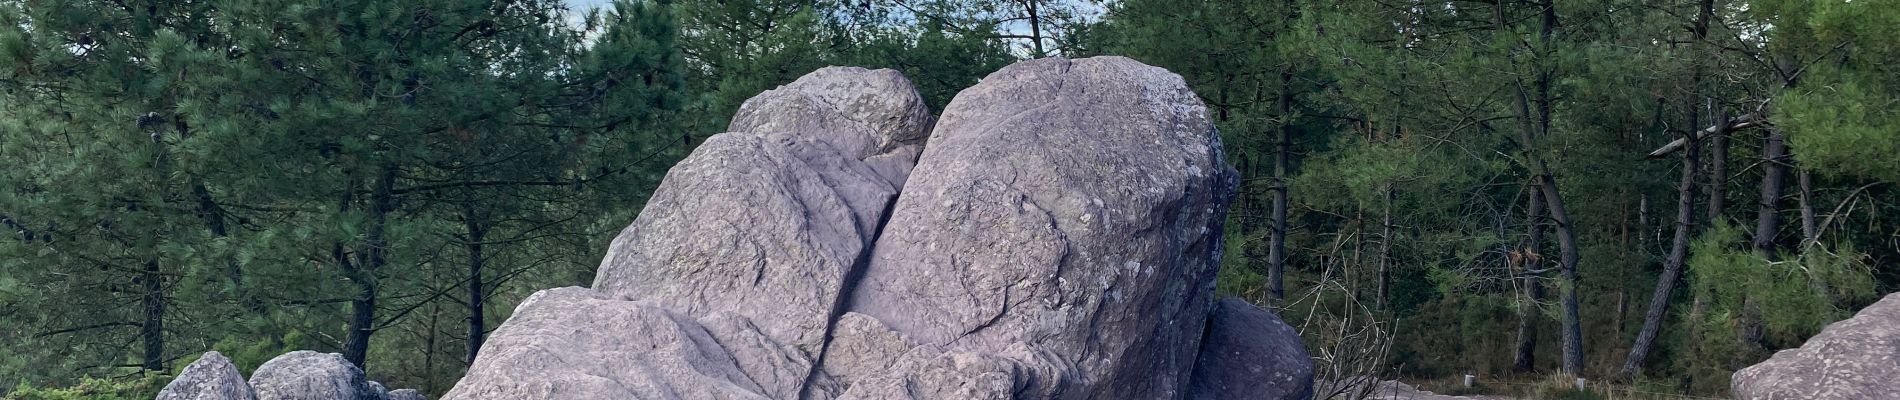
pixel 1249 353
pixel 406 394
pixel 1856 358
pixel 309 375
pixel 212 377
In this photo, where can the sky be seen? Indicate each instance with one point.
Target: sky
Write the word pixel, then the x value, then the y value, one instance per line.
pixel 579 5
pixel 578 10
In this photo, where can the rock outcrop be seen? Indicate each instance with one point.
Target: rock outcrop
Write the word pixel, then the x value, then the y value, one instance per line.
pixel 1856 358
pixel 1055 235
pixel 406 394
pixel 309 375
pixel 1059 235
pixel 297 375
pixel 1249 353
pixel 739 260
pixel 577 343
pixel 212 377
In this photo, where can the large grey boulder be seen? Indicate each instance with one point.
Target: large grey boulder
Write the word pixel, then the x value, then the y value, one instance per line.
pixel 1249 353
pixel 741 255
pixel 757 231
pixel 764 222
pixel 1058 237
pixel 309 375
pixel 212 377
pixel 1856 358
pixel 577 343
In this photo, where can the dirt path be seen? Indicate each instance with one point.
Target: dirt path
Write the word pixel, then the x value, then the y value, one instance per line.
pixel 1395 390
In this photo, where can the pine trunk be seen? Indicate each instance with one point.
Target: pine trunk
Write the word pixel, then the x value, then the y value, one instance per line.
pixel 1276 250
pixel 1525 359
pixel 363 306
pixel 477 327
pixel 1774 167
pixel 1672 267
pixel 1808 230
pixel 1385 251
pixel 152 330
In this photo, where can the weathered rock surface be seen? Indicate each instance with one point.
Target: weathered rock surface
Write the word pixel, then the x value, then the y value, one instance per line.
pixel 863 113
pixel 309 375
pixel 1249 353
pixel 1856 358
pixel 212 377
pixel 1059 235
pixel 738 261
pixel 379 391
pixel 406 394
pixel 297 375
pixel 874 116
pixel 764 222
pixel 577 343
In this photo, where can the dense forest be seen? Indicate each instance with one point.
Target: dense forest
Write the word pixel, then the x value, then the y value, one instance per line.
pixel 1648 193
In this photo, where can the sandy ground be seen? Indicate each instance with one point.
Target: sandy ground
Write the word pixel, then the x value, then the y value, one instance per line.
pixel 1395 390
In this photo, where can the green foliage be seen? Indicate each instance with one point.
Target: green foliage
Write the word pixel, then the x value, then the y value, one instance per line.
pixel 1841 116
pixel 1847 128
pixel 264 169
pixel 199 176
pixel 1795 298
pixel 145 387
pixel 939 62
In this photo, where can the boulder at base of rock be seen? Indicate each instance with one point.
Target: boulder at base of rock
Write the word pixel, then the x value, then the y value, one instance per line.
pixel 576 343
pixel 212 377
pixel 1249 353
pixel 380 391
pixel 309 375
pixel 1856 358
pixel 406 394
pixel 1059 236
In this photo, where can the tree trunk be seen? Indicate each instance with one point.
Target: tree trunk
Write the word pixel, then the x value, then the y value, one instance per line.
pixel 1537 125
pixel 1672 267
pixel 152 331
pixel 1767 219
pixel 1718 175
pixel 477 327
pixel 1385 251
pixel 1567 242
pixel 363 306
pixel 1718 149
pixel 1356 274
pixel 428 349
pixel 1808 230
pixel 362 323
pixel 1767 222
pixel 1276 250
pixel 1035 27
pixel 1528 259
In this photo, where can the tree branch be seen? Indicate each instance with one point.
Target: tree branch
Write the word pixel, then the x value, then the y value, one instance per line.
pixel 1745 122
